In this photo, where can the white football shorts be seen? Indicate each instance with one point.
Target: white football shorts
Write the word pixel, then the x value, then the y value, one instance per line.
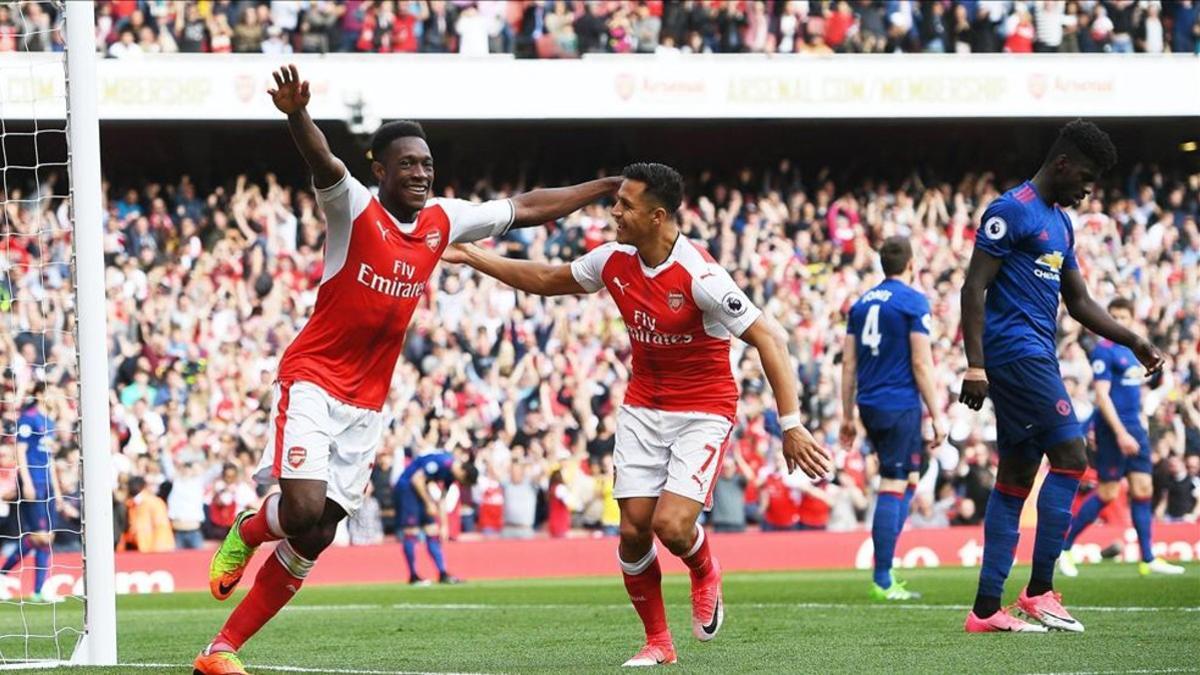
pixel 315 436
pixel 679 452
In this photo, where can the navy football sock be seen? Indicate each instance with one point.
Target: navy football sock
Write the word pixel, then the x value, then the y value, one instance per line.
pixel 41 562
pixel 884 534
pixel 1054 518
pixel 1142 517
pixel 1001 530
pixel 434 546
pixel 1088 511
pixel 410 554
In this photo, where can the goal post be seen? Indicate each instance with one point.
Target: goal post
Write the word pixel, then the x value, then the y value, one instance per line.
pixel 98 643
pixel 56 480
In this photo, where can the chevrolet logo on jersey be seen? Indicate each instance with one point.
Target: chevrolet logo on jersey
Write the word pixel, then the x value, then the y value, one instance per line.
pixel 1133 376
pixel 1053 262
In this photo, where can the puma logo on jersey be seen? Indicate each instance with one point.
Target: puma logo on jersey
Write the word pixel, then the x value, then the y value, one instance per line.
pixel 621 285
pixel 383 233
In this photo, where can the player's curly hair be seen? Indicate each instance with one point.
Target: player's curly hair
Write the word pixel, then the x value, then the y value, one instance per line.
pixel 663 183
pixel 389 132
pixel 1088 140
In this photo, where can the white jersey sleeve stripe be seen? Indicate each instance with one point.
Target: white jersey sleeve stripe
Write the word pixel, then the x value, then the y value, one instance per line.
pixel 342 203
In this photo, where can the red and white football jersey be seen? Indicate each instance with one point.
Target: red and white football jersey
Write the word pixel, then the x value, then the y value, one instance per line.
pixel 680 316
pixel 376 269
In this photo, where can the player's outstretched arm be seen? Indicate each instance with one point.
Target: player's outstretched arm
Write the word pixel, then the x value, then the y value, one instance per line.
pixel 1086 311
pixel 980 272
pixel 849 429
pixel 524 275
pixel 538 207
pixel 800 449
pixel 291 96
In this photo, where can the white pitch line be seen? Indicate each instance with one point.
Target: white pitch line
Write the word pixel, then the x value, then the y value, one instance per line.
pixel 1121 672
pixel 292 669
pixel 454 607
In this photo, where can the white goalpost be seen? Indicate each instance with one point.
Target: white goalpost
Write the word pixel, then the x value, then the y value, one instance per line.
pixel 98 643
pixel 53 347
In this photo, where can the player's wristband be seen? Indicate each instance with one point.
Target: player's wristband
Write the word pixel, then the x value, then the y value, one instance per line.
pixel 789 422
pixel 976 374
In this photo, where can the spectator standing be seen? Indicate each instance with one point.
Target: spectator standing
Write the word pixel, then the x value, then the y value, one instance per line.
pixel 1049 20
pixel 185 503
pixel 191 30
pixel 472 29
pixel 1150 35
pixel 276 44
pixel 149 525
pixel 520 501
pixel 729 506
pixel 249 33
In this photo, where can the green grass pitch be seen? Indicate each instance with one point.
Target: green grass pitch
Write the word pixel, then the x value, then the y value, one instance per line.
pixel 818 622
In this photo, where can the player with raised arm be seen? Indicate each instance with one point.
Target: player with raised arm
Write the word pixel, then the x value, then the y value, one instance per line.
pixel 681 310
pixel 334 378
pixel 887 370
pixel 1122 447
pixel 1024 259
pixel 419 509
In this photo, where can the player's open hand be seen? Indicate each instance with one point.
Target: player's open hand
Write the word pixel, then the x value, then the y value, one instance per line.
pixel 939 431
pixel 1149 355
pixel 456 254
pixel 974 388
pixel 1128 445
pixel 290 95
pixel 847 433
pixel 803 452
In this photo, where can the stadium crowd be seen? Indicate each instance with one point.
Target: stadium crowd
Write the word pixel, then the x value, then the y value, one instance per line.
pixel 569 28
pixel 207 286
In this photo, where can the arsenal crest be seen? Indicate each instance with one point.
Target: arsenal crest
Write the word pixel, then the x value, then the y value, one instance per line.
pixel 296 456
pixel 675 300
pixel 433 240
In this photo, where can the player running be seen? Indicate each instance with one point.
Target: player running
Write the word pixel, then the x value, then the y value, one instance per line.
pixel 1122 447
pixel 1024 258
pixel 887 358
pixel 418 509
pixel 37 485
pixel 333 379
pixel 680 309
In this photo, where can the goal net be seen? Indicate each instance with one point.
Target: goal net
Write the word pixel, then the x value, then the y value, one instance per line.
pixel 44 589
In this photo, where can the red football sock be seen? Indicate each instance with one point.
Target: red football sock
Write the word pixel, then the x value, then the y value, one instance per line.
pixel 698 559
pixel 277 581
pixel 257 529
pixel 645 592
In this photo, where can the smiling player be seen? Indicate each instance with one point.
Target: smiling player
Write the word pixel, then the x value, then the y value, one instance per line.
pixel 333 380
pixel 681 310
